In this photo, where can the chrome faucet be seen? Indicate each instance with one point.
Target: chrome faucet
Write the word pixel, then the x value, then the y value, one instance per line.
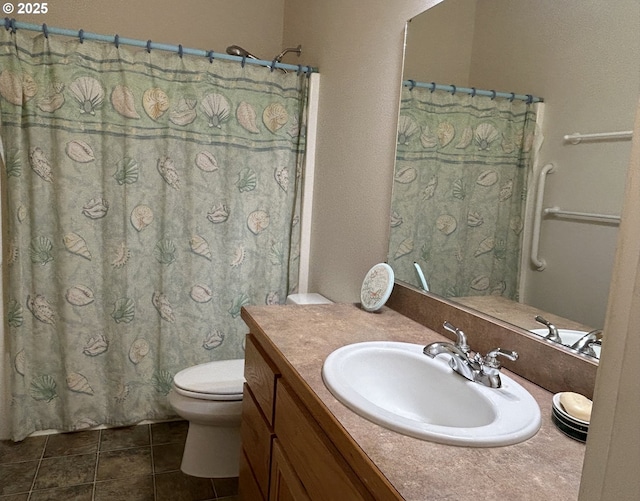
pixel 586 342
pixel 482 370
pixel 553 331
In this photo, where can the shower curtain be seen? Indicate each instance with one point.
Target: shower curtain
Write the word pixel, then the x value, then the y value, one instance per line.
pixel 459 192
pixel 148 197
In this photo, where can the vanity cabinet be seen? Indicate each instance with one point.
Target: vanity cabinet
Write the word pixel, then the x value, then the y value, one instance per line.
pixel 300 443
pixel 286 453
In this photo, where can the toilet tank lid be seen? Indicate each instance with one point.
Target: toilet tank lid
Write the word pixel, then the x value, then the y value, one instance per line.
pixel 307 298
pixel 221 377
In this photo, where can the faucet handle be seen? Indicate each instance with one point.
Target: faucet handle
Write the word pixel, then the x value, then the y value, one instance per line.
pixel 553 331
pixel 491 359
pixel 461 339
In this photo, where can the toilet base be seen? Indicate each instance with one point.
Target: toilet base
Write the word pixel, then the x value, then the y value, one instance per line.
pixel 220 458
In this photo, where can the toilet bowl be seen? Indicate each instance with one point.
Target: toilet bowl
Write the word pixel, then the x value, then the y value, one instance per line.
pixel 209 396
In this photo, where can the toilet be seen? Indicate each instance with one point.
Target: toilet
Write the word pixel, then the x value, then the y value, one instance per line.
pixel 209 396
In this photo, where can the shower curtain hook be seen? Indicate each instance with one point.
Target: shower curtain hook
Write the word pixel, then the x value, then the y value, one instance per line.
pixel 180 50
pixel 309 71
pixel 116 41
pixel 493 94
pixel 45 30
pixel 12 25
pixel 473 92
pixel 513 96
pixel 81 36
pixel 273 64
pixel 210 54
pixel 412 84
pixel 433 86
pixel 529 99
pixel 299 71
pixel 244 60
pixel 453 92
pixel 149 46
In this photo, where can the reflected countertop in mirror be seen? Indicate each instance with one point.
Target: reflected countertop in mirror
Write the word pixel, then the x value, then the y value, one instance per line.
pixel 518 314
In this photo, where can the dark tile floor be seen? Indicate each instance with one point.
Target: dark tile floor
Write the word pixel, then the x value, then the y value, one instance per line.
pixel 137 463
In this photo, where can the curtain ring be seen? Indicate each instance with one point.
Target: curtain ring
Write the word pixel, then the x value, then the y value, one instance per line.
pixel 116 41
pixel 273 64
pixel 180 50
pixel 433 86
pixel 299 72
pixel 7 23
pixel 453 92
pixel 513 96
pixel 210 54
pixel 244 60
pixel 412 84
pixel 493 94
pixel 81 36
pixel 45 30
pixel 149 46
pixel 309 71
pixel 529 99
pixel 473 92
pixel 12 25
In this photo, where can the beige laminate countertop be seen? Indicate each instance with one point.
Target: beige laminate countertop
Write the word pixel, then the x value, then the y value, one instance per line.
pixel 547 466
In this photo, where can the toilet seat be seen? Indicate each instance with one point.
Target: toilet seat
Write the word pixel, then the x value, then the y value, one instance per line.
pixel 219 380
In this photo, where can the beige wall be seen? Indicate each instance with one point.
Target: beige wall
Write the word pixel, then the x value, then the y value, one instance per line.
pixel 440 44
pixel 611 462
pixel 358 46
pixel 255 25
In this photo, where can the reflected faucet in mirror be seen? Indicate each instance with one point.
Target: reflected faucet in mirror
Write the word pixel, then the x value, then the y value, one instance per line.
pixel 553 331
pixel 586 343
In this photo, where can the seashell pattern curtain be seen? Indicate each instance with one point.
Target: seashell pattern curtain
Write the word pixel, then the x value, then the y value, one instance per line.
pixel 460 186
pixel 148 198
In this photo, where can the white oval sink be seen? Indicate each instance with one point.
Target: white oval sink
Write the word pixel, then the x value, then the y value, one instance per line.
pixel 568 337
pixel 396 386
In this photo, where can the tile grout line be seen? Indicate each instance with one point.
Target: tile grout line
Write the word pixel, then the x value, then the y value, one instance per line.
pixel 35 476
pixel 153 466
pixel 95 469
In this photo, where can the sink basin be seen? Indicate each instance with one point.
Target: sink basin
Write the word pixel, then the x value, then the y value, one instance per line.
pixel 396 386
pixel 568 337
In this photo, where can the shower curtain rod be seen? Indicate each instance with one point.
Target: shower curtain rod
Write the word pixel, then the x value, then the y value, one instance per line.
pixel 473 91
pixel 13 25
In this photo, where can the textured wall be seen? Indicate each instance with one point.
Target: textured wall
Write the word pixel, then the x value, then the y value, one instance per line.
pixel 200 24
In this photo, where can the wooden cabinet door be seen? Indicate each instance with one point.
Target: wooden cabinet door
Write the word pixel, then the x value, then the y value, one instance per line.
pixel 321 468
pixel 248 489
pixel 285 484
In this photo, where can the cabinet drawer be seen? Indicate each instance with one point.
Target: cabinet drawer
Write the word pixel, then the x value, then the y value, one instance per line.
pixel 322 470
pixel 261 378
pixel 256 440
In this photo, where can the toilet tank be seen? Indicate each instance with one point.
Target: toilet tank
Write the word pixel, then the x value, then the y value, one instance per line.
pixel 307 298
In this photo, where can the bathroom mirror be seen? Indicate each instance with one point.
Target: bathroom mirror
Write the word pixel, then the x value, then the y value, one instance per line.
pixel 581 57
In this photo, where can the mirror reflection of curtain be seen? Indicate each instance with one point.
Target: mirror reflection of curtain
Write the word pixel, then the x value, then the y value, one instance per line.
pixel 459 192
pixel 149 197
